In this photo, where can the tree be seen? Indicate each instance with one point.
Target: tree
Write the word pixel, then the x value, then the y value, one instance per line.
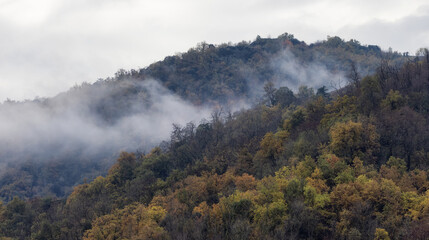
pixel 402 134
pixel 304 94
pixel 394 100
pixel 381 234
pixel 265 159
pixel 244 162
pixel 297 117
pixel 133 222
pixel 354 76
pixel 323 91
pixel 283 96
pixel 123 169
pixel 16 219
pixel 270 93
pixel 352 139
pixel 371 95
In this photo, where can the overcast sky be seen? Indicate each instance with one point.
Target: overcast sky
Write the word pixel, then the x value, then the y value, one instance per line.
pixel 47 46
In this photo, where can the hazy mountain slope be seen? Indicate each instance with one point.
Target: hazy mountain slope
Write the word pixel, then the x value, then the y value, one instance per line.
pixel 351 164
pixel 49 145
pixel 220 73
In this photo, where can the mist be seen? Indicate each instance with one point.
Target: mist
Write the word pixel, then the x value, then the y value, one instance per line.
pixel 291 72
pixel 92 122
pixel 49 145
pixel 97 121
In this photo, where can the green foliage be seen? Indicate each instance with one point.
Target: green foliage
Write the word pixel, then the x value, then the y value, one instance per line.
pixel 346 176
pixel 306 168
pixel 16 219
pixel 284 97
pixel 397 163
pixel 340 110
pixel 297 118
pixel 394 100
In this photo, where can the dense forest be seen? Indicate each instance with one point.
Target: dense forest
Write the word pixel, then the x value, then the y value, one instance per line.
pixel 37 163
pixel 302 163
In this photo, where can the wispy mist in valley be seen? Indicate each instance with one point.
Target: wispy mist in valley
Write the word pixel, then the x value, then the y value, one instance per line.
pixel 99 120
pixel 91 124
pixel 128 115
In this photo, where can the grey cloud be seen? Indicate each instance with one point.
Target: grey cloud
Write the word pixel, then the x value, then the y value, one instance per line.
pixel 78 41
pixel 412 30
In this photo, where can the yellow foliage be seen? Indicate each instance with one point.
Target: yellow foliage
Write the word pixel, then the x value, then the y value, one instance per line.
pixel 343 109
pixel 282 135
pixel 133 222
pixel 358 166
pixel 285 173
pixel 343 196
pixel 352 139
pixel 317 182
pixel 411 203
pixel 305 168
pixel 270 145
pixel 202 209
pixel 381 234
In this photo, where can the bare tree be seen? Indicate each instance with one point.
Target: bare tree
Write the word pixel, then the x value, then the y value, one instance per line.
pixel 354 76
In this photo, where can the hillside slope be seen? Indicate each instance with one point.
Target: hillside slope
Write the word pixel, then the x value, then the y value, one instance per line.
pixel 50 145
pixel 352 164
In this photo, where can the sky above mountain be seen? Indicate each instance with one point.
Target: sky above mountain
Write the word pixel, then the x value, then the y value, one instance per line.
pixel 47 46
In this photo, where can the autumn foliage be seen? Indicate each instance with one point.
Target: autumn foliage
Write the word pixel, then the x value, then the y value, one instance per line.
pixel 351 164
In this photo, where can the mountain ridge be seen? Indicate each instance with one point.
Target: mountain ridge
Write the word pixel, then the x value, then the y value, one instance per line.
pixel 351 163
pixel 230 76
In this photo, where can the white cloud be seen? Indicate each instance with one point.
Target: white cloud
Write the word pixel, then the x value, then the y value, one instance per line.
pixel 75 123
pixel 49 45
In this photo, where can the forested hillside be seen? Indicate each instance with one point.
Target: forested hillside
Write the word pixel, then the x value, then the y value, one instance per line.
pixel 50 145
pixel 352 163
pixel 210 73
